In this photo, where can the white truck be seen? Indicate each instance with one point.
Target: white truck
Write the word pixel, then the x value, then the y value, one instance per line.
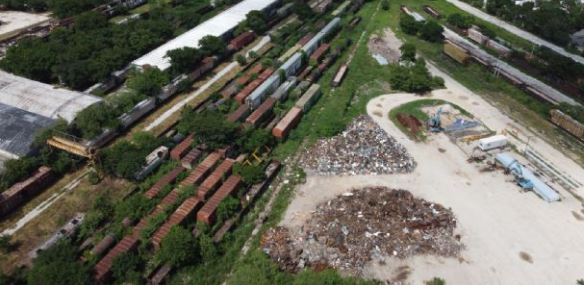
pixel 492 142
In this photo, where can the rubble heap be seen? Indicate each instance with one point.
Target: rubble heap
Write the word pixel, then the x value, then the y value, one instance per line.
pixel 363 148
pixel 364 225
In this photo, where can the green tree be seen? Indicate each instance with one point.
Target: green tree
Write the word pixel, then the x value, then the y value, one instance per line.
pixel 435 281
pixel 385 5
pixel 5 243
pixel 92 120
pixel 256 21
pixel 302 9
pixel 211 128
pixel 255 138
pixel 126 268
pixel 409 25
pixel 16 170
pixel 58 265
pixel 148 82
pixel 208 248
pixel 179 248
pixel 460 21
pixel 432 31
pixel 408 52
pixel 211 45
pixel 226 209
pixel 415 78
pixel 250 174
pixel 184 59
pixel 241 59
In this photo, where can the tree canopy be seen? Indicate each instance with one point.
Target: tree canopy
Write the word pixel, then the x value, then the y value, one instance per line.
pixel 148 82
pixel 415 78
pixel 408 52
pixel 460 21
pixel 211 128
pixel 432 31
pixel 179 247
pixel 211 45
pixel 184 59
pixel 58 265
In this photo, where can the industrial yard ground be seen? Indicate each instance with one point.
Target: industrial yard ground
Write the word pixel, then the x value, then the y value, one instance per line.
pixel 510 236
pixel 497 235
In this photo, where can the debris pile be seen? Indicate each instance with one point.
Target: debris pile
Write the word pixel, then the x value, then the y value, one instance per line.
pixel 357 227
pixel 410 122
pixel 364 148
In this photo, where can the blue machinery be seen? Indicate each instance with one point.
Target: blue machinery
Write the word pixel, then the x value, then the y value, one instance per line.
pixel 526 179
pixel 434 123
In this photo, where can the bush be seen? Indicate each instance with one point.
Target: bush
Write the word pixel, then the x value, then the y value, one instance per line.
pixel 250 174
pixel 179 248
pixel 409 25
pixel 385 5
pixel 93 178
pixel 432 31
pixel 148 82
pixel 460 21
pixel 241 59
pixel 58 265
pixel 408 52
pixel 5 243
pixel 414 79
pixel 211 128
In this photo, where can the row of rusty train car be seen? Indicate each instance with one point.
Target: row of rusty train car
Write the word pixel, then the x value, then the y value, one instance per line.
pixel 294 80
pixel 21 192
pixel 210 173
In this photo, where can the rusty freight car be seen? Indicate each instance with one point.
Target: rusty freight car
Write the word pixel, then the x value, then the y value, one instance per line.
pixel 207 213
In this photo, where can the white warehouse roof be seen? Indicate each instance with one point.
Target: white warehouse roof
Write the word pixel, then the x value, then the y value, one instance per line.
pixel 215 26
pixel 42 99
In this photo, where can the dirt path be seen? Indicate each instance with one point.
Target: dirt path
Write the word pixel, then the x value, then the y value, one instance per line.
pixel 513 29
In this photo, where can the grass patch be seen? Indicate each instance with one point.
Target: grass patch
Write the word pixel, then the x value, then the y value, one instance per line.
pixel 414 108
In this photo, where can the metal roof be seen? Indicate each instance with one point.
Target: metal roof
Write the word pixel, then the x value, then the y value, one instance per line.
pixel 216 26
pixel 18 129
pixel 42 99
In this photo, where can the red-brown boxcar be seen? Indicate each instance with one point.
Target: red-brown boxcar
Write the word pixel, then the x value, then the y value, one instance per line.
pixel 207 213
pixel 287 123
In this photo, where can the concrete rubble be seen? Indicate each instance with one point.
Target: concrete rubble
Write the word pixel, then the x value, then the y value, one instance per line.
pixel 364 225
pixel 363 148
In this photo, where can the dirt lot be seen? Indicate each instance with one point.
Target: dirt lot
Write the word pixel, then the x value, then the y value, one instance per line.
pixel 510 236
pixel 385 46
pixel 13 21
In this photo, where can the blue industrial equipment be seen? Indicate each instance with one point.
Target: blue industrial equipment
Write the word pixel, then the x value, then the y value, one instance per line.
pixel 434 123
pixel 517 170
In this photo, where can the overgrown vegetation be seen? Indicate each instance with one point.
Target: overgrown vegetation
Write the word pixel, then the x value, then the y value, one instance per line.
pixel 552 20
pixel 125 158
pixel 414 78
pixel 92 48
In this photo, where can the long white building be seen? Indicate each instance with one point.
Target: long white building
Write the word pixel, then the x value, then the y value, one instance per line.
pixel 216 26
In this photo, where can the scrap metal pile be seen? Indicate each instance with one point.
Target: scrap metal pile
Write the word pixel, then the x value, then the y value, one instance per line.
pixel 363 148
pixel 357 227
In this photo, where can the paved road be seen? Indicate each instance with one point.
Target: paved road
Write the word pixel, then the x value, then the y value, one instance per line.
pixel 513 29
pixel 552 95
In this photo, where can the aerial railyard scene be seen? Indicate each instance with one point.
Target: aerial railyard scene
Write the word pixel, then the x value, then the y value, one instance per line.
pixel 291 142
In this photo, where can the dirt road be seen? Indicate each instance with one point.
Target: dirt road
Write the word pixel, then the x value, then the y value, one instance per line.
pixel 510 237
pixel 514 30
